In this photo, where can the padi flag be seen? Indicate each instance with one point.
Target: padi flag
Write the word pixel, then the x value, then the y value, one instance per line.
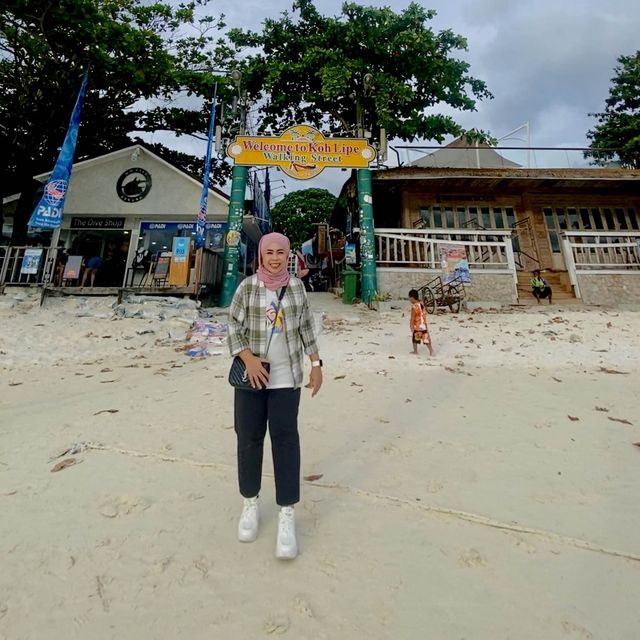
pixel 48 212
pixel 201 220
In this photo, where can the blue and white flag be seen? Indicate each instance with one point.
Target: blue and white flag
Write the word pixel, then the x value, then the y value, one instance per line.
pixel 48 212
pixel 201 220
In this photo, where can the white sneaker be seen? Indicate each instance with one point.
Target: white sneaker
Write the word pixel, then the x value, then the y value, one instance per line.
pixel 248 525
pixel 286 546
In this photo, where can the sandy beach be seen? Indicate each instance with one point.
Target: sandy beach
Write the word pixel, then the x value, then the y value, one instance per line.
pixel 487 493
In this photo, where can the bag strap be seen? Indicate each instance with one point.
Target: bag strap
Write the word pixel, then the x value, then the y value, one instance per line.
pixel 282 292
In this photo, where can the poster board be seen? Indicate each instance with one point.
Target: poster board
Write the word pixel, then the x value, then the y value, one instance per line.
pixel 31 261
pixel 161 268
pixel 454 263
pixel 350 253
pixel 72 268
pixel 179 266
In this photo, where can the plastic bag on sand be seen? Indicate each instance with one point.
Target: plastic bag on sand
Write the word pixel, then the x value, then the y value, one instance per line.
pixel 204 337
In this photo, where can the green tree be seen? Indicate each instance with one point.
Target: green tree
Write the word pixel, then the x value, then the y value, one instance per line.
pixel 141 56
pixel 296 214
pixel 618 128
pixel 368 65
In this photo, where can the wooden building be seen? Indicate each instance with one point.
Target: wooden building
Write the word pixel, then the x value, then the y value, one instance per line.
pixel 580 226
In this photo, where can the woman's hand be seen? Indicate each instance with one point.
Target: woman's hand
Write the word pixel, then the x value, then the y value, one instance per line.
pixel 257 374
pixel 315 380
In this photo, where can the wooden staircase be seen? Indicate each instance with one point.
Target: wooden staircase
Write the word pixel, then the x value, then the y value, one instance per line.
pixel 559 283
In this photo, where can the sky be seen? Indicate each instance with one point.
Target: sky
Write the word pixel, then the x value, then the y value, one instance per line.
pixel 547 62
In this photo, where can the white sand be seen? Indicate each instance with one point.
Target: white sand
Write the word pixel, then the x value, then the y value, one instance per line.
pixel 458 500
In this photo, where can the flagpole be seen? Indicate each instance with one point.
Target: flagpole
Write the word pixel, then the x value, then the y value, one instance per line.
pixel 202 213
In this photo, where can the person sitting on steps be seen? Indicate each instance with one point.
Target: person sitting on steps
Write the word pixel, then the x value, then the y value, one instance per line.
pixel 540 287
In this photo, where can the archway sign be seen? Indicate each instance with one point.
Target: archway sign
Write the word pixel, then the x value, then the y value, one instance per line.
pixel 302 152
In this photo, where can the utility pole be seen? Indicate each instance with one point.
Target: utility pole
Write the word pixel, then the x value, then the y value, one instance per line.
pixel 236 213
pixel 365 207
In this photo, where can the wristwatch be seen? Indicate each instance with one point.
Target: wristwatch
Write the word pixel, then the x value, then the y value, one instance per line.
pixel 316 363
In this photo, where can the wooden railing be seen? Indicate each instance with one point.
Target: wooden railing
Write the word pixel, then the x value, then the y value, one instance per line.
pixel 602 251
pixel 11 263
pixel 419 248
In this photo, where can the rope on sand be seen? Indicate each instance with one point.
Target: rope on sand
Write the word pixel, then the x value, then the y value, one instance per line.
pixel 454 513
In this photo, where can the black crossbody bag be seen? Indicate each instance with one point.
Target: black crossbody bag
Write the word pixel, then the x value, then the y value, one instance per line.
pixel 238 377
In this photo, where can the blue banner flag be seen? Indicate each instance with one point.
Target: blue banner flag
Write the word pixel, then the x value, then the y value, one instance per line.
pixel 202 212
pixel 48 212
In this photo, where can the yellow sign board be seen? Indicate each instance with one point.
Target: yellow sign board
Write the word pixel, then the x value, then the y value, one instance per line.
pixel 302 152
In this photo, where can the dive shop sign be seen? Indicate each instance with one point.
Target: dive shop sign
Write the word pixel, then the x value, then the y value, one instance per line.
pixel 302 152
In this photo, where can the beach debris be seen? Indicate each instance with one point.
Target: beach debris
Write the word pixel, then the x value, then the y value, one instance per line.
pixel 636 444
pixel 106 370
pixel 556 379
pixel 620 420
pixel 15 384
pixel 313 477
pixel 603 409
pixel 339 377
pixel 573 418
pixel 97 413
pixel 614 371
pixel 74 449
pixel 9 493
pixel 204 337
pixel 101 594
pixel 108 381
pixel 63 464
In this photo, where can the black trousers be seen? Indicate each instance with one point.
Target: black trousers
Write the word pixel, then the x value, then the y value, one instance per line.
pixel 277 408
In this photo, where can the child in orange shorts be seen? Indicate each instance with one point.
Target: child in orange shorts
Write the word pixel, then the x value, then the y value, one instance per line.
pixel 418 324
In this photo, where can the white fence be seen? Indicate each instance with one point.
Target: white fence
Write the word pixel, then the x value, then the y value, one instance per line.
pixel 419 248
pixel 602 251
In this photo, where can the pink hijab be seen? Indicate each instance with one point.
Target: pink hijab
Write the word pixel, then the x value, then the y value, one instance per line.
pixel 273 281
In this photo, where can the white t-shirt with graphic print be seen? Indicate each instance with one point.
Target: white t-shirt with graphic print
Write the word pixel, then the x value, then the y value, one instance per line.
pixel 280 375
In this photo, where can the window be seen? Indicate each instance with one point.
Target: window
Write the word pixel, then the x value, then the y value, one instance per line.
pixel 608 217
pixel 551 222
pixel 450 219
pixel 597 220
pixel 621 218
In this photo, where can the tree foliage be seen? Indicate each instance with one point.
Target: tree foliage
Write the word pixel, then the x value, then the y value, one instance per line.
pixel 140 54
pixel 619 124
pixel 312 69
pixel 298 211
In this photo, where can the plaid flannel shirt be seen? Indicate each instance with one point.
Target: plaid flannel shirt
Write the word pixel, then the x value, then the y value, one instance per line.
pixel 247 326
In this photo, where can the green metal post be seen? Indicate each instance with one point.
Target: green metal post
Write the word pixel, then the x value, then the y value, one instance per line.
pixel 367 237
pixel 234 231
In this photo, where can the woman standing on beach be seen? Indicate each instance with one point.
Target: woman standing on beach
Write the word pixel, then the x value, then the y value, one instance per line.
pixel 271 308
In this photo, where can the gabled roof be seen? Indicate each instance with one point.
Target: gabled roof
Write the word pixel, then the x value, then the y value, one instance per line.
pixel 130 150
pixel 461 154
